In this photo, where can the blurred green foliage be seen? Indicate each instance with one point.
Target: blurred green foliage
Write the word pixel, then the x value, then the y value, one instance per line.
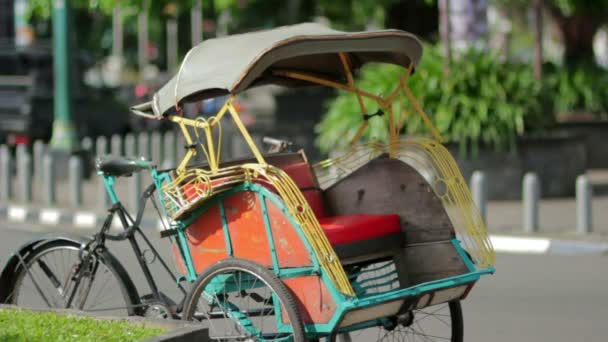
pixel 43 8
pixel 344 14
pixel 247 14
pixel 582 88
pixel 483 101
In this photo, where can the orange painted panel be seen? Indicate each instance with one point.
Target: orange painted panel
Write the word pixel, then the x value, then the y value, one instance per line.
pixel 206 240
pixel 246 227
pixel 290 249
pixel 313 298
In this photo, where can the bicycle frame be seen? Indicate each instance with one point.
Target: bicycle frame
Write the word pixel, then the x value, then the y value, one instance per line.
pixel 130 227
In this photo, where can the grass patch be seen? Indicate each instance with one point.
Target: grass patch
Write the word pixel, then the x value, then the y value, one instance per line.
pixel 20 325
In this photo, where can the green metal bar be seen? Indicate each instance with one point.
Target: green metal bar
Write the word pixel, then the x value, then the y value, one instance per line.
pixel 344 305
pixel 463 255
pixel 186 254
pixel 273 252
pixel 295 272
pixel 64 132
pixel 225 227
pixel 421 288
pixel 109 182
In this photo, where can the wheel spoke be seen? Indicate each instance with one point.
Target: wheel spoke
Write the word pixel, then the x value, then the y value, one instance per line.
pixel 447 326
pixel 240 302
pixel 46 277
pixel 36 285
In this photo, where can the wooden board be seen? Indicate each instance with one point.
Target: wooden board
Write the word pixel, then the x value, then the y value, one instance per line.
pixel 427 262
pixel 390 186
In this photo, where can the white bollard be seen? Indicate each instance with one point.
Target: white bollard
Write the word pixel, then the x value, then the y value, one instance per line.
pixel 531 196
pixel 169 147
pixel 116 145
pixel 39 149
pixel 86 144
pixel 101 146
pixel 143 145
pixel 50 181
pixel 479 190
pixel 24 170
pixel 157 148
pixel 584 196
pixel 6 173
pixel 130 146
pixel 75 179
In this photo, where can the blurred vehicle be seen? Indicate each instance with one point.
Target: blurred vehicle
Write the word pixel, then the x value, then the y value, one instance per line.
pixel 26 98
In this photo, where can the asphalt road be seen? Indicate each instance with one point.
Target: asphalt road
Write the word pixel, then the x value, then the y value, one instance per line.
pixel 531 298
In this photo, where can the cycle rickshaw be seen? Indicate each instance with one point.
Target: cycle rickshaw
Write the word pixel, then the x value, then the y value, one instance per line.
pixel 379 240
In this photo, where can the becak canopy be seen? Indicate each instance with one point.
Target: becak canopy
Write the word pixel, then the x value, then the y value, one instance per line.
pixel 232 64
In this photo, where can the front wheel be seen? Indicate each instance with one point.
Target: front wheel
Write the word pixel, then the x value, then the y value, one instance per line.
pixel 442 322
pixel 243 301
pixel 53 275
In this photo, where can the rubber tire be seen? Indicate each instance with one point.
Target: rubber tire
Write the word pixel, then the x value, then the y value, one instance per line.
pixel 457 324
pixel 275 284
pixel 128 289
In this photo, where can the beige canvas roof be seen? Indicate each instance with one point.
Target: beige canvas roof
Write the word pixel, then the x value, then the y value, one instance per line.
pixel 232 64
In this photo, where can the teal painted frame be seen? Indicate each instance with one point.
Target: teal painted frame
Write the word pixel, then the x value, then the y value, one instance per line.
pixel 344 304
pixel 109 182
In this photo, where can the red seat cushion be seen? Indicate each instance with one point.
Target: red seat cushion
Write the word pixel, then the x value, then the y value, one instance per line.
pixel 353 228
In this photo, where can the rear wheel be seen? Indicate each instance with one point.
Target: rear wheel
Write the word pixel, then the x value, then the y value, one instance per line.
pixel 47 278
pixel 442 322
pixel 240 301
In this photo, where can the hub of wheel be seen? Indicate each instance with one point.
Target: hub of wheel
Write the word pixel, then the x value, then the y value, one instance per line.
pixel 405 319
pixel 157 311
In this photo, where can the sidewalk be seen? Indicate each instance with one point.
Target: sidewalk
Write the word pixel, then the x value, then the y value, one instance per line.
pixel 557 218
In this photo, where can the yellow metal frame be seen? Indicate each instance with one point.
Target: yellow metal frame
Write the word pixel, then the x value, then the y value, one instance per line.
pixel 435 163
pixel 207 125
pixel 386 102
pixel 191 186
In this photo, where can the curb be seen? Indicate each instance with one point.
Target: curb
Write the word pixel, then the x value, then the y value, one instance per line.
pixel 533 245
pixel 53 216
pixel 90 220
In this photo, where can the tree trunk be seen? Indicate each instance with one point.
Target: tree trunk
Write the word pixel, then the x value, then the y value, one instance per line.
pixel 196 22
pixel 538 39
pixel 444 30
pixel 117 33
pixel 418 16
pixel 577 33
pixel 172 37
pixel 293 11
pixel 142 40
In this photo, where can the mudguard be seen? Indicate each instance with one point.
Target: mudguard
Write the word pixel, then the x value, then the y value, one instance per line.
pixel 8 272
